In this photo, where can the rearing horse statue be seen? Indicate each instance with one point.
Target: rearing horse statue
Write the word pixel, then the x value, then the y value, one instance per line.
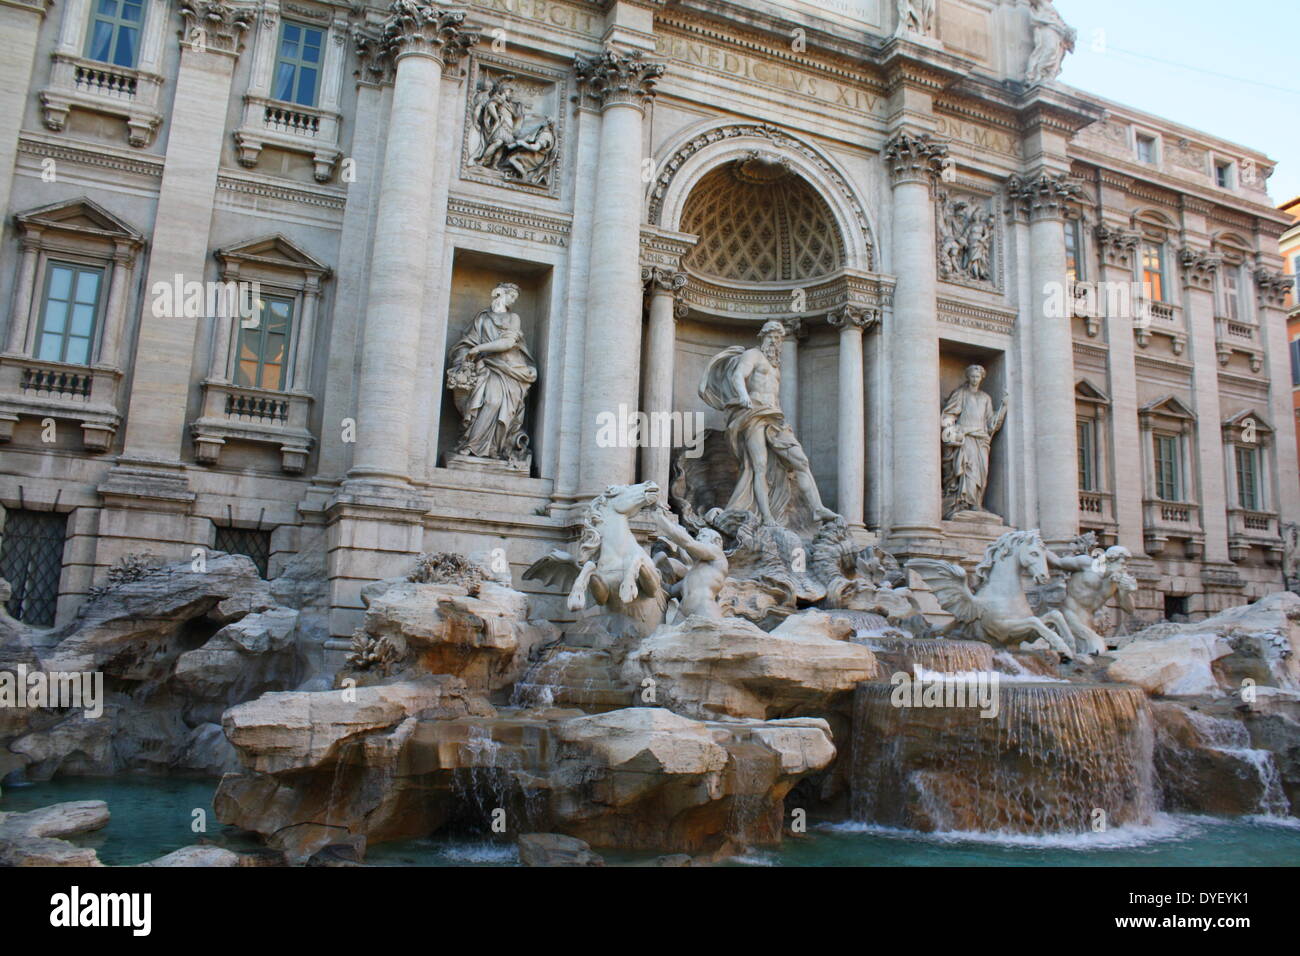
pixel 997 611
pixel 611 568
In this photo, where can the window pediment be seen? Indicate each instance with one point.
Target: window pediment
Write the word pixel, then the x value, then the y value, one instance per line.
pixel 82 217
pixel 275 252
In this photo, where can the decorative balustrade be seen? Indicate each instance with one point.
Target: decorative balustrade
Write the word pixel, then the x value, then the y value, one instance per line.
pixel 38 389
pixel 1164 521
pixel 286 120
pixel 79 83
pixel 291 127
pixel 105 82
pixel 261 416
pixel 63 382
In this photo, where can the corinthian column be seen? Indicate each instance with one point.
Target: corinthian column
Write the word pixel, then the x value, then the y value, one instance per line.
pixel 420 40
pixel 914 162
pixel 661 341
pixel 1042 199
pixel 851 446
pixel 621 83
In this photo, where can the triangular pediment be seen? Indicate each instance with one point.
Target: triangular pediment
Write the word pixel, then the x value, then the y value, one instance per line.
pixel 274 250
pixel 1171 406
pixel 79 215
pixel 1086 391
pixel 1248 414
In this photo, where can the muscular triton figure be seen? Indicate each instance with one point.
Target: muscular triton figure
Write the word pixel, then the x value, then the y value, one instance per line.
pixel 745 384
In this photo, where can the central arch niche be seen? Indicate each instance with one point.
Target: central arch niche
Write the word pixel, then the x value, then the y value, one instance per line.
pixel 763 233
pixel 758 221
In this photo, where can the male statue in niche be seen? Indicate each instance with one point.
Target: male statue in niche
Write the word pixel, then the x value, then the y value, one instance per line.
pixel 968 425
pixel 489 374
pixel 774 472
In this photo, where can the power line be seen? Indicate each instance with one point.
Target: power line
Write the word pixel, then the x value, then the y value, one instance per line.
pixel 1198 69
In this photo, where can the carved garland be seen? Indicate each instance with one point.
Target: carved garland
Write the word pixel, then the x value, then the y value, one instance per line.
pixel 779 140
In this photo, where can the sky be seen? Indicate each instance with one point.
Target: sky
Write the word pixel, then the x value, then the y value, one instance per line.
pixel 1228 67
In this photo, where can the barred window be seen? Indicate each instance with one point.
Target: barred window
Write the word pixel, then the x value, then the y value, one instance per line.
pixel 31 560
pixel 250 542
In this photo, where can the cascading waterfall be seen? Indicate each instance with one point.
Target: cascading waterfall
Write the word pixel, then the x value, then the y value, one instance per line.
pixel 933 654
pixel 1053 756
pixel 1231 737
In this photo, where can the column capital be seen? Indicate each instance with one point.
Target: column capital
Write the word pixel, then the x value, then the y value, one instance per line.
pixel 1271 287
pixel 794 328
pixel 1041 195
pixel 915 158
pixel 421 29
pixel 661 279
pixel 215 26
pixel 1116 245
pixel 853 317
pixel 617 77
pixel 1198 268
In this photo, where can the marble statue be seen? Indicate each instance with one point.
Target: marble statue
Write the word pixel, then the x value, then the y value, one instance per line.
pixel 997 610
pixel 611 567
pixel 915 16
pixel 1053 38
pixel 774 471
pixel 511 141
pixel 1091 583
pixel 968 425
pixel 698 580
pixel 489 374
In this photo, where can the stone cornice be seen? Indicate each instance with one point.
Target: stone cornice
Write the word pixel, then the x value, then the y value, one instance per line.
pixel 215 26
pixel 1041 195
pixel 614 77
pixel 914 158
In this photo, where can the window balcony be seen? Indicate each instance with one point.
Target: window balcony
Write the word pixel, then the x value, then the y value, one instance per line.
pixel 1162 318
pixel 1233 335
pixel 131 94
pixel 1097 508
pixel 288 126
pixel 1259 529
pixel 1165 521
pixel 39 389
pixel 233 412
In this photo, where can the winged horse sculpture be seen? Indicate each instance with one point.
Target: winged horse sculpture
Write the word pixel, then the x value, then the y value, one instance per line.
pixel 997 611
pixel 611 567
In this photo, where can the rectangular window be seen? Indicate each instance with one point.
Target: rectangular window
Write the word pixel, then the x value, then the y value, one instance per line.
pixel 69 313
pixel 114 34
pixel 31 560
pixel 1231 289
pixel 1074 250
pixel 1153 271
pixel 1168 468
pixel 1248 495
pixel 250 542
pixel 297 66
pixel 1087 455
pixel 264 345
pixel 1223 174
pixel 1295 361
pixel 1146 149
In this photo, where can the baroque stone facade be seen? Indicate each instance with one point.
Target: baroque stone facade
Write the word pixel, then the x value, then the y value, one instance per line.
pixel 918 195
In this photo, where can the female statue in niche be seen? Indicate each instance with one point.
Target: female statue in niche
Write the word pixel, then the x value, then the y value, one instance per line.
pixel 489 374
pixel 968 425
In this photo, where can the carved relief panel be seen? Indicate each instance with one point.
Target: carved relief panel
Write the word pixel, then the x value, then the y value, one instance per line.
pixel 514 125
pixel 968 240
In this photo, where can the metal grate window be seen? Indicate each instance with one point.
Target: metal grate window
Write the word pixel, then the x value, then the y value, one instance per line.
pixel 31 560
pixel 249 542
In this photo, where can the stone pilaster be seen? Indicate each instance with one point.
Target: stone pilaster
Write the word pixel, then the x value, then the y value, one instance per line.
pixel 914 162
pixel 1041 198
pixel 851 444
pixel 1116 251
pixel 621 84
pixel 1197 270
pixel 664 287
pixel 419 40
pixel 211 42
pixel 20 26
pixel 1270 296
